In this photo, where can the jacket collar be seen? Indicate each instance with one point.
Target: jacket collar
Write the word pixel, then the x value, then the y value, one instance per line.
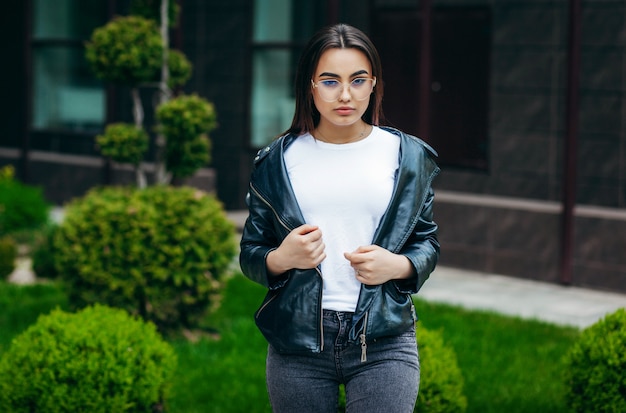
pixel 416 171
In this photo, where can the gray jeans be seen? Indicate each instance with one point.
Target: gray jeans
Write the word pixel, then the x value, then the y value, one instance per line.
pixel 387 382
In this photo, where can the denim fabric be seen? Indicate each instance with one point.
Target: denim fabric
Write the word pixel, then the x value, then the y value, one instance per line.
pixel 387 382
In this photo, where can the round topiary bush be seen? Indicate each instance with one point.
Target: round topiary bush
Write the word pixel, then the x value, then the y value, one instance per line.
pixel 127 50
pixel 441 381
pixel 159 252
pixel 186 121
pixel 99 360
pixel 596 365
pixel 123 142
pixel 180 68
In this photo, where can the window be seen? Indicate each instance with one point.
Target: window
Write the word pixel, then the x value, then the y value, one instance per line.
pixel 278 38
pixel 459 84
pixel 66 95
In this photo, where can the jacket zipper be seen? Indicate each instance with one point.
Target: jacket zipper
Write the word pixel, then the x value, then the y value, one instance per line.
pixel 271 207
pixel 362 337
pixel 264 305
pixel 284 225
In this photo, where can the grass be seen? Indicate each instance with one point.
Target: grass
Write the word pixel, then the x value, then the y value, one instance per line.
pixel 510 365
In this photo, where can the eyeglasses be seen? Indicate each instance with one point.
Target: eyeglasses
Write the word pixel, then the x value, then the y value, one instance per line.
pixel 330 89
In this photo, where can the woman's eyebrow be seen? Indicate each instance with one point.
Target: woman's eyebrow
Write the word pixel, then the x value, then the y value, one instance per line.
pixel 329 74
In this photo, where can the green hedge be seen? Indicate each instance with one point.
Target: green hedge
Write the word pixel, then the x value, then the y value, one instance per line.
pixel 441 381
pixel 596 367
pixel 161 252
pixel 22 207
pixel 186 122
pixel 123 142
pixel 127 50
pixel 99 360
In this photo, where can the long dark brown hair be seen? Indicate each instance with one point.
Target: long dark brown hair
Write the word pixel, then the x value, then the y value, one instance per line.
pixel 339 36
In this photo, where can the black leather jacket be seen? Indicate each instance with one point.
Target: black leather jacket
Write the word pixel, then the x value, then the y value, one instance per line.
pixel 290 317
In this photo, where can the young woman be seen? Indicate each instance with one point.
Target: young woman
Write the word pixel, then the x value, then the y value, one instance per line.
pixel 341 233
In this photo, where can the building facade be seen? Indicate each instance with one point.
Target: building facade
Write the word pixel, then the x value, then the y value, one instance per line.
pixel 525 101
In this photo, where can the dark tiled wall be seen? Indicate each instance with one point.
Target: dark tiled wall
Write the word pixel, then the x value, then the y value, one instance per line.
pixel 216 39
pixel 510 239
pixel 527 100
pixel 526 137
pixel 523 240
pixel 600 253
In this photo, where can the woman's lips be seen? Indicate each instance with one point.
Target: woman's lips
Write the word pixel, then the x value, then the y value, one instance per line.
pixel 344 110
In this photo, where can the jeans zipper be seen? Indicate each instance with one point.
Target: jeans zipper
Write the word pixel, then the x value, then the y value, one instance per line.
pixel 363 342
pixel 284 225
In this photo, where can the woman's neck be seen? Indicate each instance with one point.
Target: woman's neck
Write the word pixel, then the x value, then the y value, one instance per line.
pixel 342 135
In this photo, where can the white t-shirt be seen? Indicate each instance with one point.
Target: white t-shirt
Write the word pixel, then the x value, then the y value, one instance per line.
pixel 345 190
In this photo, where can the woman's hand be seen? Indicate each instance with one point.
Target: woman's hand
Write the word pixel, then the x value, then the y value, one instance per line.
pixel 302 248
pixel 375 265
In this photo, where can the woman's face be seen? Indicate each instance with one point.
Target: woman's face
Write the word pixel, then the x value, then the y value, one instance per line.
pixel 343 66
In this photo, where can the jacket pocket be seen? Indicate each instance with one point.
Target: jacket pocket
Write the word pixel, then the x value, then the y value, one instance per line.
pixel 289 316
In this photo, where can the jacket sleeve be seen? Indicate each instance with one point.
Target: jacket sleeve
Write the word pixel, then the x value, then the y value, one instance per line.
pixel 259 238
pixel 422 248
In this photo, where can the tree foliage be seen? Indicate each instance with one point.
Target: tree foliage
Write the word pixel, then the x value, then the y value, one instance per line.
pixel 99 360
pixel 161 252
pixel 127 50
pixel 595 367
pixel 123 142
pixel 186 121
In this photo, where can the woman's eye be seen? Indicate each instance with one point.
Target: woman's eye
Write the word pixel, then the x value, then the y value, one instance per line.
pixel 359 81
pixel 329 83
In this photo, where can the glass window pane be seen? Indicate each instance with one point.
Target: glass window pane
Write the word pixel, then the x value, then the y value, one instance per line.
pixel 272 20
pixel 67 19
pixel 66 94
pixel 272 97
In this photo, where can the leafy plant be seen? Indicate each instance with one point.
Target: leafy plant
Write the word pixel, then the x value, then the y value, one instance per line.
pixel 186 117
pixel 441 381
pixel 21 206
pixel 127 50
pixel 186 121
pixel 595 367
pixel 179 67
pixel 97 360
pixel 161 252
pixel 123 142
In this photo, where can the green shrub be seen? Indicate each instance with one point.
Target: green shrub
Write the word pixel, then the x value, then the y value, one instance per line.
pixel 160 252
pixel 123 142
pixel 97 360
pixel 21 206
pixel 596 365
pixel 43 254
pixel 186 117
pixel 186 121
pixel 441 382
pixel 180 68
pixel 8 254
pixel 184 159
pixel 127 50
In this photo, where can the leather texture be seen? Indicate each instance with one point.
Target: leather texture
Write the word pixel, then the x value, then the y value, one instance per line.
pixel 290 316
